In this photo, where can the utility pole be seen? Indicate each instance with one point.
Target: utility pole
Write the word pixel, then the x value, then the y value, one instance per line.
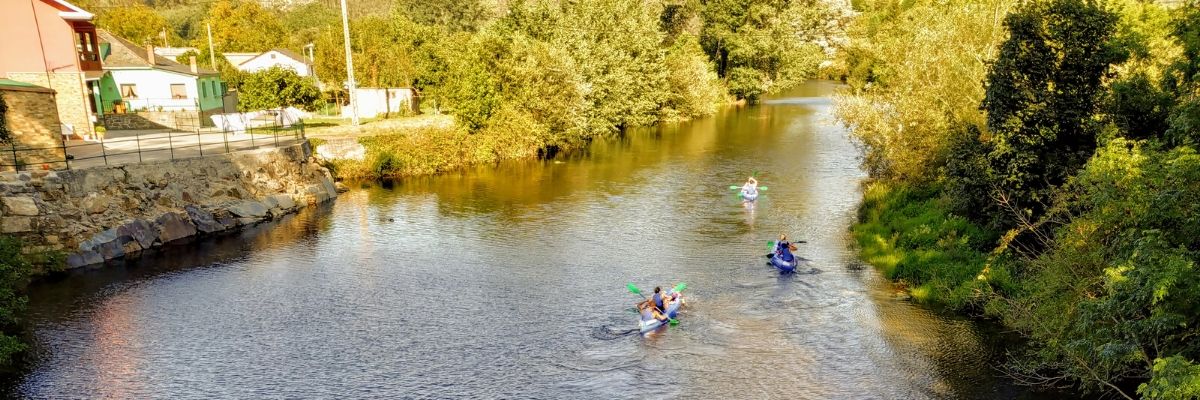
pixel 350 69
pixel 212 53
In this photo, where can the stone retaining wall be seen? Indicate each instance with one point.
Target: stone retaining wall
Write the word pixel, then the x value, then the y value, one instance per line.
pixel 99 214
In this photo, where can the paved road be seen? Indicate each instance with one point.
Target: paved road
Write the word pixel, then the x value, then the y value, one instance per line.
pixel 145 146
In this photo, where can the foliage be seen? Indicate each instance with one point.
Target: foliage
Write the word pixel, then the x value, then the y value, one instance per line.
pixel 1117 289
pixel 276 87
pixel 754 46
pixel 5 134
pixel 456 15
pixel 908 234
pixel 229 74
pixel 1043 94
pixel 915 72
pixel 1175 378
pixel 136 22
pixel 241 25
pixel 15 270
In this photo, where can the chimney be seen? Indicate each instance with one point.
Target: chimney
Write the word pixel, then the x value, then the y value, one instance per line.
pixel 150 53
pixel 193 60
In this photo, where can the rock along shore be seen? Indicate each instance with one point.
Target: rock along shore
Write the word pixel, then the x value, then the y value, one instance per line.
pixel 98 214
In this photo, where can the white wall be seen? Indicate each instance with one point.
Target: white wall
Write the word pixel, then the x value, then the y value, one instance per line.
pixel 154 89
pixel 265 61
pixel 374 102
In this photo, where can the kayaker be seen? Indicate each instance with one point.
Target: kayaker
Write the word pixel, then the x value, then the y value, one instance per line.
pixel 660 301
pixel 751 186
pixel 784 248
pixel 648 311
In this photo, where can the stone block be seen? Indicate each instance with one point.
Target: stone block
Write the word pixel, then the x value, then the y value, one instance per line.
pixel 140 231
pixel 16 224
pixel 204 220
pixel 84 258
pixel 20 206
pixel 173 226
pixel 249 209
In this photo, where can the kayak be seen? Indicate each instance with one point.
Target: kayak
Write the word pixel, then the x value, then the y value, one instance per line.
pixel 648 323
pixel 749 195
pixel 784 266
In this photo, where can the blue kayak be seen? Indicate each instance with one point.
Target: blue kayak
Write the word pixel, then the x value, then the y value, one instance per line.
pixel 647 322
pixel 749 195
pixel 784 266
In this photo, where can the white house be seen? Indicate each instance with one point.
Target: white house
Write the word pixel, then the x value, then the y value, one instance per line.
pixel 145 81
pixel 277 57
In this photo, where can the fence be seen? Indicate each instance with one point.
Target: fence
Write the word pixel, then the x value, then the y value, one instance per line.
pixel 146 147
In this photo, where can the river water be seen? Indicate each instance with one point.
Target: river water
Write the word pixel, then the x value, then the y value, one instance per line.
pixel 509 282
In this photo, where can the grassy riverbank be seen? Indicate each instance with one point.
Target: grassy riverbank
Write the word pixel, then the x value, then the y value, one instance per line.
pixel 908 233
pixel 431 150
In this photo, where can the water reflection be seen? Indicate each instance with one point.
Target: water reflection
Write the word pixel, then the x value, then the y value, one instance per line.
pixel 508 282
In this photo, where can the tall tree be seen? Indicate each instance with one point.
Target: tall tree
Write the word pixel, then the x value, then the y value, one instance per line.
pixel 762 46
pixel 276 87
pixel 1043 95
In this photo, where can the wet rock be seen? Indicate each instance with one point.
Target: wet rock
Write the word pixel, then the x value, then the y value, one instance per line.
pixel 203 220
pixel 341 187
pixel 173 226
pixel 20 206
pixel 281 201
pixel 84 258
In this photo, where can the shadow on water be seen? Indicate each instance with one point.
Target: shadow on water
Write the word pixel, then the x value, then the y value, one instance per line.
pixel 509 282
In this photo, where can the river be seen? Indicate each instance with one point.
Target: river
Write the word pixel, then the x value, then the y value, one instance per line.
pixel 509 282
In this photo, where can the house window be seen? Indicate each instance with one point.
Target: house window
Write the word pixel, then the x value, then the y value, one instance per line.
pixel 272 56
pixel 178 91
pixel 129 90
pixel 204 89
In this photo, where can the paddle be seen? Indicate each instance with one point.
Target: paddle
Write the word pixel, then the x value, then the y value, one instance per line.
pixel 771 244
pixel 735 187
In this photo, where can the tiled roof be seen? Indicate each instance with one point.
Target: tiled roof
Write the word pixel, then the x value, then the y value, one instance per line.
pixel 126 54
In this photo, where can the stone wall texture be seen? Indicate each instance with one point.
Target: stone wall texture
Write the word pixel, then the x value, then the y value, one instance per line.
pixel 33 121
pixel 71 99
pixel 98 214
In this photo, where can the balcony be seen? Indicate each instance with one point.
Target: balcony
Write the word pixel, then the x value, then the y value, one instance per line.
pixel 86 46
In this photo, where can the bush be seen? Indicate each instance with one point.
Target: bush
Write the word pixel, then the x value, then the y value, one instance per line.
pixel 908 233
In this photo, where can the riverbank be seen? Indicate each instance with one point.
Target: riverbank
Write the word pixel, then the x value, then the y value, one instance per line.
pixel 88 216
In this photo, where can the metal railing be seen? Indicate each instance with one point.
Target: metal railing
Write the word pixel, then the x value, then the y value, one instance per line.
pixel 140 147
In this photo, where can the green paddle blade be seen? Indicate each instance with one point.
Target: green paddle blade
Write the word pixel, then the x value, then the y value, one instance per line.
pixel 674 322
pixel 771 244
pixel 734 187
pixel 762 188
pixel 680 287
pixel 633 289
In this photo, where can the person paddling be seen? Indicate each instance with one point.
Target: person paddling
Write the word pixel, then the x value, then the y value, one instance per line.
pixel 751 187
pixel 784 248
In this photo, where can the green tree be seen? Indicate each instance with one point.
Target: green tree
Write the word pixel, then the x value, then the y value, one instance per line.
pixel 455 15
pixel 276 87
pixel 1042 96
pixel 135 22
pixel 242 25
pixel 762 46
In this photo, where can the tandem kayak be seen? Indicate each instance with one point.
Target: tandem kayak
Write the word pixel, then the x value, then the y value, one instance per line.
pixel 647 322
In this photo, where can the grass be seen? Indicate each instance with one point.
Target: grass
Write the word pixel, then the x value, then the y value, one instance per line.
pixel 908 234
pixel 432 150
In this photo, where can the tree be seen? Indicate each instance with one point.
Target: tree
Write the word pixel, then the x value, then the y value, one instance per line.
pixel 276 87
pixel 135 22
pixel 455 15
pixel 762 46
pixel 242 25
pixel 1042 96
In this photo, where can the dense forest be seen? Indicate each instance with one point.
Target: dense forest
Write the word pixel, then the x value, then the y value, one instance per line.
pixel 1035 162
